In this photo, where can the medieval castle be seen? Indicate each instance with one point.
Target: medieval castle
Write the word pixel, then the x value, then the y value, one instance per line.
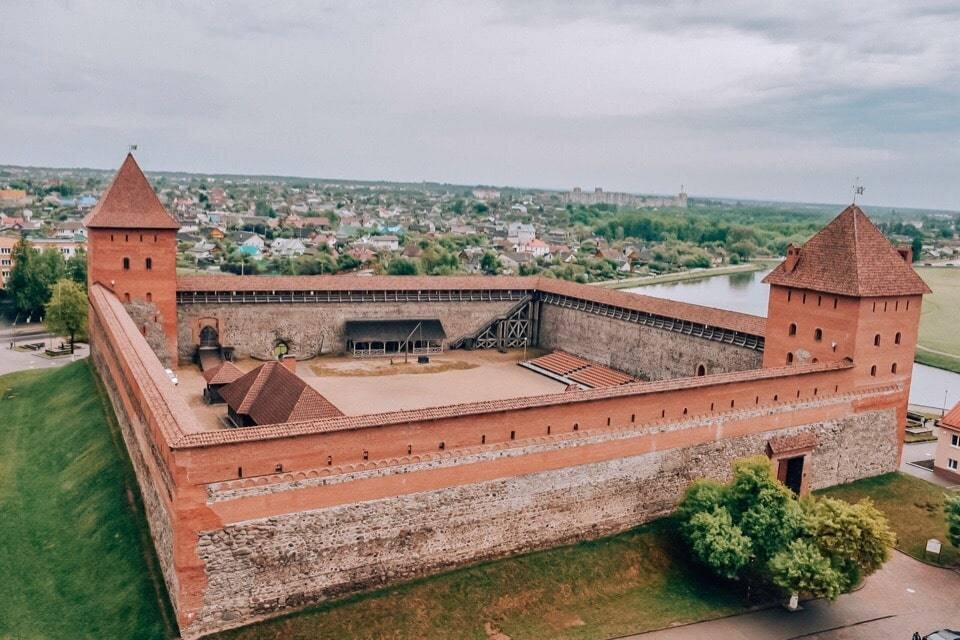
pixel 270 485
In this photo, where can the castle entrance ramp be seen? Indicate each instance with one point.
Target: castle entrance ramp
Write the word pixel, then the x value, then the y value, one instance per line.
pixel 209 358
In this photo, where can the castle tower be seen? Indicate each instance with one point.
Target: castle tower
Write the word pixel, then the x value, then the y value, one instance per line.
pixel 132 244
pixel 846 293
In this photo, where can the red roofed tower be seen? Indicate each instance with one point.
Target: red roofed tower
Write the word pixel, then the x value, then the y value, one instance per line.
pixel 133 248
pixel 846 293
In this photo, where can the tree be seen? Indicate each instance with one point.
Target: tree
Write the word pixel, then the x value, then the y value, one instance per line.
pixel 855 537
pixel 490 263
pixel 765 509
pixel 32 275
pixel 66 312
pixel 801 567
pixel 718 543
pixel 753 529
pixel 951 505
pixel 917 247
pixel 402 267
pixel 76 267
pixel 346 262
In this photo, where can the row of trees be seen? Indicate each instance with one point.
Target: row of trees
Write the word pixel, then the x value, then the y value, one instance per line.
pixel 754 531
pixel 44 284
pixel 34 273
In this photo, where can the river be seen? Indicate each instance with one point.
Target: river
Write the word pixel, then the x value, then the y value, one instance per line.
pixel 746 293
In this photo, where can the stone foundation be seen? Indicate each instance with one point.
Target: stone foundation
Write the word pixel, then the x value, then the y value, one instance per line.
pixel 310 328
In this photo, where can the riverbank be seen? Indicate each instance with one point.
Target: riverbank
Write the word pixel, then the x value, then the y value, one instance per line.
pixel 692 274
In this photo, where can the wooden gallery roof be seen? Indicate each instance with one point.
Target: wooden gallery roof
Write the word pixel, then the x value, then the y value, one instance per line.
pixel 394 330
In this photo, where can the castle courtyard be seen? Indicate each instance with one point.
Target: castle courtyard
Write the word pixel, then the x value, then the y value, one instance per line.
pixel 377 385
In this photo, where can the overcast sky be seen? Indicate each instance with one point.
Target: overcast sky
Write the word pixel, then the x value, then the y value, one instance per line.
pixel 762 99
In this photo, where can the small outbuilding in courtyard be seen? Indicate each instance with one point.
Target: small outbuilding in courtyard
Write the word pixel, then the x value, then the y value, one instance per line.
pixel 218 377
pixel 372 338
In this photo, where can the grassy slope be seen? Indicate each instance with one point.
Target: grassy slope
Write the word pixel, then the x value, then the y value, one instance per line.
pixel 72 562
pixel 913 506
pixel 938 322
pixel 609 587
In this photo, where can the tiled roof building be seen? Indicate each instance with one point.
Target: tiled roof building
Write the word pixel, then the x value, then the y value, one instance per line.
pixel 272 394
pixel 849 257
pixel 130 203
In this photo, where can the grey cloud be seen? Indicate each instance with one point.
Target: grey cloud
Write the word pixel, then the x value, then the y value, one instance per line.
pixel 744 98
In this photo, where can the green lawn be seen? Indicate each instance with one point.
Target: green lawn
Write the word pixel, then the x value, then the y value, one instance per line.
pixel 913 506
pixel 72 553
pixel 623 584
pixel 938 320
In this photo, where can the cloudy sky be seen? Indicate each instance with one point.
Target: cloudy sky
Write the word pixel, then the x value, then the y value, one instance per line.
pixel 757 98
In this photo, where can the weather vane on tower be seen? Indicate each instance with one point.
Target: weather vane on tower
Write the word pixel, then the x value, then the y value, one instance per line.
pixel 857 189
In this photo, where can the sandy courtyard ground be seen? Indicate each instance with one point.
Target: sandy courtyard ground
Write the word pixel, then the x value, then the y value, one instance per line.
pixel 376 385
pixel 456 377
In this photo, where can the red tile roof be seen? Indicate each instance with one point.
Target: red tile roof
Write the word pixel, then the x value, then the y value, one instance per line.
pixel 130 203
pixel 596 376
pixel 351 283
pixel 793 442
pixel 952 419
pixel 223 373
pixel 850 257
pixel 271 394
pixel 586 372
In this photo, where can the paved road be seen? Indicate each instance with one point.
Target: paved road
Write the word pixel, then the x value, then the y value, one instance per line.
pixel 12 360
pixel 903 597
pixel 919 451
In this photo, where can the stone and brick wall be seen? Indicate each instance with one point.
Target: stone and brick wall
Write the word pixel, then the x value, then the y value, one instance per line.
pixel 255 329
pixel 265 566
pixel 647 352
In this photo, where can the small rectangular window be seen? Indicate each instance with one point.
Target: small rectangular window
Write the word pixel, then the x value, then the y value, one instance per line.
pixel 951 464
pixel 955 440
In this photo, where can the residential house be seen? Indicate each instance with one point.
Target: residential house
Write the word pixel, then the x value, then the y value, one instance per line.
pixel 287 247
pixel 381 243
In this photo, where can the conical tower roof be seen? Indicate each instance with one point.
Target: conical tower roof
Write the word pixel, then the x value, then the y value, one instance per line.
pixel 130 203
pixel 850 257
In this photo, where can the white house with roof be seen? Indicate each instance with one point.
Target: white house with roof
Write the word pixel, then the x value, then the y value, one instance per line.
pixel 381 243
pixel 520 233
pixel 287 247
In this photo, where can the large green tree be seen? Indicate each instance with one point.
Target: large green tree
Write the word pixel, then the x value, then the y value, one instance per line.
pixel 754 530
pixel 66 312
pixel 76 267
pixel 33 274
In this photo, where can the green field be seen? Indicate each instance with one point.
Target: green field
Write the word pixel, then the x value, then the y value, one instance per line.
pixel 73 553
pixel 939 338
pixel 913 506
